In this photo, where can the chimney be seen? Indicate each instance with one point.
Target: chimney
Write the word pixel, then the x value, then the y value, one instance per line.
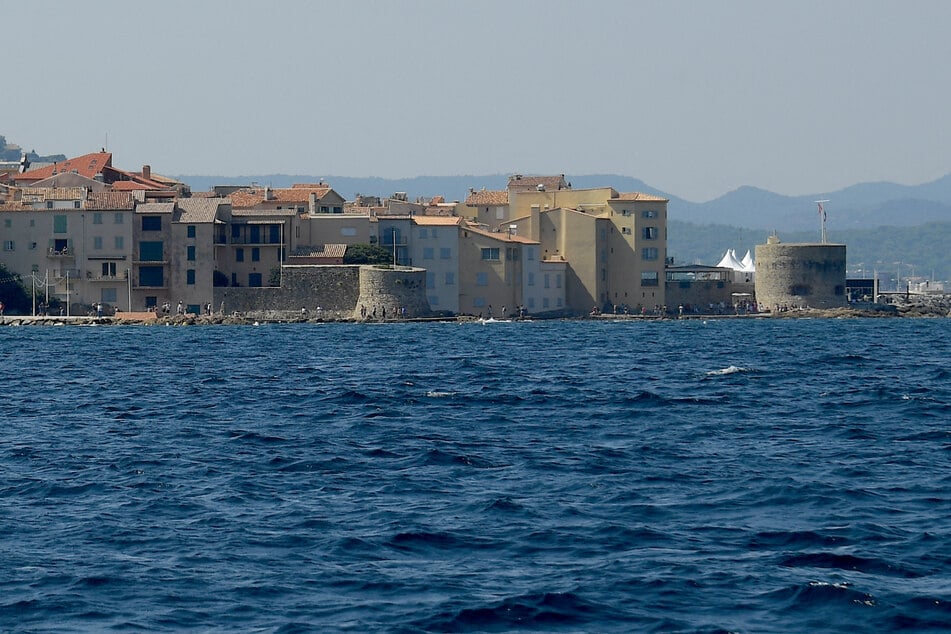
pixel 147 172
pixel 312 203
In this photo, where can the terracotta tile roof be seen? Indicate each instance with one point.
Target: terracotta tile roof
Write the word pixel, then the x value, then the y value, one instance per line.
pixel 252 213
pixel 437 221
pixel 501 237
pixel 487 198
pixel 87 165
pixel 519 183
pixel 300 193
pixel 42 194
pixel 198 210
pixel 320 251
pixel 110 200
pixel 155 208
pixel 640 196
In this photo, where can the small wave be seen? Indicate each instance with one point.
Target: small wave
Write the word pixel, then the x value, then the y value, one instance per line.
pixel 525 612
pixel 815 593
pixel 440 394
pixel 848 562
pixel 733 369
pixel 254 437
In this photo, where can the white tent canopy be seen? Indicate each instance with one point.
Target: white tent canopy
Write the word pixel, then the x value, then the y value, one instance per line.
pixel 730 261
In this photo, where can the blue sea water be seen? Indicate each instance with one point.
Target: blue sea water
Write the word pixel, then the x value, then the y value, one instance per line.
pixel 691 476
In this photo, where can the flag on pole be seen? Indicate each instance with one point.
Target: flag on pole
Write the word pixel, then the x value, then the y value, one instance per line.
pixel 822 212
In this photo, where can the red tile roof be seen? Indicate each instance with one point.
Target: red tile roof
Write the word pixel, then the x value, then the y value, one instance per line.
pixel 110 200
pixel 87 165
pixel 245 198
pixel 640 196
pixel 487 198
pixel 519 183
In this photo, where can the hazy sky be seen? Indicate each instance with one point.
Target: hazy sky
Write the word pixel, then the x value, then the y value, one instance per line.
pixel 694 98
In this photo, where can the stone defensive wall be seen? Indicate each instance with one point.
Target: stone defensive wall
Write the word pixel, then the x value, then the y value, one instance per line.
pixel 332 292
pixel 800 275
pixel 702 293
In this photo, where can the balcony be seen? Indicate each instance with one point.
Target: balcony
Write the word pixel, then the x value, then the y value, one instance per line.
pixel 99 277
pixel 59 254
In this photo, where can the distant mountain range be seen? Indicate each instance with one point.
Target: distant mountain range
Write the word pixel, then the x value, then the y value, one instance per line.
pixel 860 206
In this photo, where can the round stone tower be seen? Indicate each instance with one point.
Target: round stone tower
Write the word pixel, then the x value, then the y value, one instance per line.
pixel 393 293
pixel 800 275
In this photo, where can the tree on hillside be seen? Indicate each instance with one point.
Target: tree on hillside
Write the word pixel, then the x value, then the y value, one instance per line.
pixel 367 254
pixel 15 298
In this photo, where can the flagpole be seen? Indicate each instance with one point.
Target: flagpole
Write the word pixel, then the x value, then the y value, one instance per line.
pixel 822 219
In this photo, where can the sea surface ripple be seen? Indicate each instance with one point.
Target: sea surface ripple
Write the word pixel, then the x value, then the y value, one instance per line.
pixel 692 476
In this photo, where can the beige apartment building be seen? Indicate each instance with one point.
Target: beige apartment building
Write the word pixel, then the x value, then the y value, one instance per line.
pixel 614 244
pixel 69 243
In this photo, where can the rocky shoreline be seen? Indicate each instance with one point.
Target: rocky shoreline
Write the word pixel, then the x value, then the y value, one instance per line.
pixel 899 305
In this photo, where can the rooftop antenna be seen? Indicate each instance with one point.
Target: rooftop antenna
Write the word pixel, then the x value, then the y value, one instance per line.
pixel 822 219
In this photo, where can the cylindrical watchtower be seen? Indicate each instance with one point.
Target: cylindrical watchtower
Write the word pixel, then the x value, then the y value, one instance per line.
pixel 800 275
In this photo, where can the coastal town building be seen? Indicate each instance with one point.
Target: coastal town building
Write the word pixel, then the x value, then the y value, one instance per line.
pixel 92 233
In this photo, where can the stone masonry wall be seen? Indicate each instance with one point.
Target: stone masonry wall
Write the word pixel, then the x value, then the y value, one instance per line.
pixel 391 290
pixel 331 292
pixel 333 288
pixel 809 275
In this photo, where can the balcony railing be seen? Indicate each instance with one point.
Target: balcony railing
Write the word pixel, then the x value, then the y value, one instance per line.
pixel 60 253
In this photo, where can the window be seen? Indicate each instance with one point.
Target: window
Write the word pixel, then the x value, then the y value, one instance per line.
pixel 490 254
pixel 649 278
pixel 547 283
pixel 557 280
pixel 108 295
pixel 255 254
pixel 190 276
pixel 120 242
pixel 324 209
pixel 191 231
pixel 77 204
pixel 531 253
pixel 32 246
pixel 49 204
pixel 190 252
pixel 482 279
pixel 430 279
pixel 450 279
pixel 151 276
pixel 445 253
pixel 254 280
pixel 255 234
pixel 422 232
pixel 120 218
pixel 531 279
pixel 347 231
pixel 97 243
pixel 97 218
pixel 531 302
pixel 625 212
pixel 338 209
pixel 428 253
pixel 560 302
pixel 649 213
pixel 239 255
pixel 7 223
pixel 108 269
pixel 626 230
pixel 545 302
pixel 650 253
pixel 8 245
pixel 151 251
pixel 274 233
pixel 650 233
pixel 59 224
pixel 151 223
